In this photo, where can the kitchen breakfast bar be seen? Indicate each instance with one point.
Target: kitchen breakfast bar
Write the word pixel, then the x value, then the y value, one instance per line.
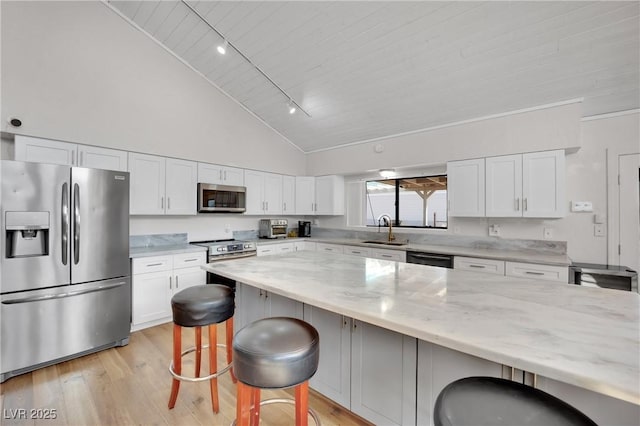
pixel 415 328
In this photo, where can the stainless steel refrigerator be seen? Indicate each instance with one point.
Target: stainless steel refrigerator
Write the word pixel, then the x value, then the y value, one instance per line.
pixel 65 286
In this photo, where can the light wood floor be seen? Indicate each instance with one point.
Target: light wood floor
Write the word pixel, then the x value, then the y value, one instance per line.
pixel 131 385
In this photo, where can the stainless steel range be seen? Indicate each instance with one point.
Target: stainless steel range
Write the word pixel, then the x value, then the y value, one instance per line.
pixel 225 250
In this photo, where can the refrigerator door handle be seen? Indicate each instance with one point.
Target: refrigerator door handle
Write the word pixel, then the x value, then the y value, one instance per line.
pixel 62 295
pixel 76 223
pixel 65 223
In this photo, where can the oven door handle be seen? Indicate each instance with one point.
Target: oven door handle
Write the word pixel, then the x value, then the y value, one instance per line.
pixel 220 258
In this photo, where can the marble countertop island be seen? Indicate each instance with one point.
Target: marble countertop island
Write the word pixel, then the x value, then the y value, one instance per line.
pixel 588 337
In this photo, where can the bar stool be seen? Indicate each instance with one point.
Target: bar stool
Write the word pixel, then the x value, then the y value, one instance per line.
pixel 275 353
pixel 499 402
pixel 198 306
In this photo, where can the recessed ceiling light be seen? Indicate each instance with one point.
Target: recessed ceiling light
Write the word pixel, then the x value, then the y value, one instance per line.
pixel 387 173
pixel 291 106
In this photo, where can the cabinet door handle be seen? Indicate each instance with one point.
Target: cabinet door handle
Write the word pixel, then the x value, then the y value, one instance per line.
pixel 154 264
pixel 221 178
pixel 177 284
pixel 81 162
pixel 73 158
pixel 284 207
pixel 170 283
pixel 477 266
pixel 534 273
pixel 267 204
pixel 225 175
pixel 162 203
pixel 355 325
pixel 524 202
pixel 168 203
pixel 517 204
pixel 344 321
pixel 190 260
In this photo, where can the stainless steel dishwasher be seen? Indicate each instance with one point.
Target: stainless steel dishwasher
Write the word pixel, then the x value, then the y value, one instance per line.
pixel 430 259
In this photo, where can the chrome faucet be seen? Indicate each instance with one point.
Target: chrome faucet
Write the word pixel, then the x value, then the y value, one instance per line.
pixel 387 220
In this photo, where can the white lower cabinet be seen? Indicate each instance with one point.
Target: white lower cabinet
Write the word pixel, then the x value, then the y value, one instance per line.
pixel 439 366
pixel 304 245
pixel 394 255
pixel 602 409
pixel 253 304
pixel 356 372
pixel 487 266
pixel 330 248
pixel 537 272
pixel 275 248
pixel 383 375
pixel 156 279
pixel 357 251
pixel 333 378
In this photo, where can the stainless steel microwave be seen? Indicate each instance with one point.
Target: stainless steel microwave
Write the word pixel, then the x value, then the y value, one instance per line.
pixel 221 198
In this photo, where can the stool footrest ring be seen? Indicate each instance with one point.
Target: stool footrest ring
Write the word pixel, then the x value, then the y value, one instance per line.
pixel 313 414
pixel 199 379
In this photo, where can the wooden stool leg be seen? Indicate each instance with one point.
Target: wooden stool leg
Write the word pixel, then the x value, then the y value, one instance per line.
pixel 229 343
pixel 198 349
pixel 255 406
pixel 213 365
pixel 177 363
pixel 243 406
pixel 302 403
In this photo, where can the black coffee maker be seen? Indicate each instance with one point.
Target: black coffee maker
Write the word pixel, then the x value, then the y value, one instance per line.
pixel 304 228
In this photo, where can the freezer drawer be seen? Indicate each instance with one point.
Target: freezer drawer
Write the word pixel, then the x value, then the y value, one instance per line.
pixel 42 327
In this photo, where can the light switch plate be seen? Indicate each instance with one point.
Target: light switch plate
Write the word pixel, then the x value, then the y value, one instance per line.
pixel 598 230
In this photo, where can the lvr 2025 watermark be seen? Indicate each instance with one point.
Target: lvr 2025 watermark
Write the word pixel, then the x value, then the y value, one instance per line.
pixel 32 413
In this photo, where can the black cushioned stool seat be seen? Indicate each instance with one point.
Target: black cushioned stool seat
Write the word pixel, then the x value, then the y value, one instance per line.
pixel 478 401
pixel 201 306
pixel 274 353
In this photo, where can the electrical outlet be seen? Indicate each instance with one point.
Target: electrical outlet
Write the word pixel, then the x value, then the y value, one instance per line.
pixel 547 233
pixel 494 230
pixel 598 230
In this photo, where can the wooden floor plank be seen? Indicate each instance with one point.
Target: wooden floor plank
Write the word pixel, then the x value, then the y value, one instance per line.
pixel 131 385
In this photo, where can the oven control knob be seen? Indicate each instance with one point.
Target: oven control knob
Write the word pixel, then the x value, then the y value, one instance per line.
pixel 221 248
pixel 247 246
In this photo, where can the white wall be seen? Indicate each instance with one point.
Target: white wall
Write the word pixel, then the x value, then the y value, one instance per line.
pixel 591 176
pixel 539 130
pixel 76 71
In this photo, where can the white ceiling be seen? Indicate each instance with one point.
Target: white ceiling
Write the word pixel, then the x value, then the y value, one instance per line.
pixel 365 70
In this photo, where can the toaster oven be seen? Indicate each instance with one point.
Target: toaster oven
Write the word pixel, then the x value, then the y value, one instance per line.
pixel 273 228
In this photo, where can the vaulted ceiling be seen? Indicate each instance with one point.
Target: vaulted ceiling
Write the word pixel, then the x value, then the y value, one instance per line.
pixel 365 70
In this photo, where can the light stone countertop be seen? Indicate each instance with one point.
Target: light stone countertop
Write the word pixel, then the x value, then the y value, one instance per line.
pixel 526 256
pixel 588 337
pixel 164 250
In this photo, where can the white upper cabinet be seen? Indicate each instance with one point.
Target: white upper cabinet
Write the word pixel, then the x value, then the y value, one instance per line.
pixel 330 195
pixel 264 192
pixel 162 185
pixel 305 195
pixel 543 184
pixel 504 186
pixel 288 195
pixel 323 195
pixel 39 150
pixel 147 184
pixel 102 158
pixel 181 187
pixel 526 185
pixel 465 187
pixel 222 175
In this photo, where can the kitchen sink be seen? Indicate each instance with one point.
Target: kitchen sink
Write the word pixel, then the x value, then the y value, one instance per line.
pixel 386 243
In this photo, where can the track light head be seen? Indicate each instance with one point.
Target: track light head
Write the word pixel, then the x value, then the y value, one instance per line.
pixel 291 107
pixel 222 48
